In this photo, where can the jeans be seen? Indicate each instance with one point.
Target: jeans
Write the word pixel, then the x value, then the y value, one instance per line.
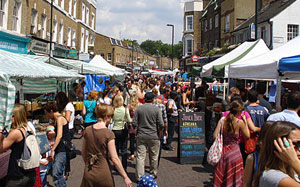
pixel 132 142
pixel 142 146
pixel 171 130
pixel 58 169
pixel 44 178
pixel 121 145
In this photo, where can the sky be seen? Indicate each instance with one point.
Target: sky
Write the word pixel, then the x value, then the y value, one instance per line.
pixel 140 20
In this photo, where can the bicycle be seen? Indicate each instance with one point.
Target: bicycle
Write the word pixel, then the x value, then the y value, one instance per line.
pixel 78 128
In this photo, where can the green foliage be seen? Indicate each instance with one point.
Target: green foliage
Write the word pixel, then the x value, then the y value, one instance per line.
pixel 159 48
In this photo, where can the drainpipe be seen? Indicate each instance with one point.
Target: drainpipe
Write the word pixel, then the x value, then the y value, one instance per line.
pixel 271 34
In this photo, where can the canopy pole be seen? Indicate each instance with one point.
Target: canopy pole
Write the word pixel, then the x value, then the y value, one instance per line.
pixel 224 90
pixel 278 93
pixel 21 93
pixel 95 82
pixel 228 86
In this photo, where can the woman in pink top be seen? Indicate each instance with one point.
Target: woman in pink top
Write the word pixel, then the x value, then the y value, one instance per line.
pixel 251 126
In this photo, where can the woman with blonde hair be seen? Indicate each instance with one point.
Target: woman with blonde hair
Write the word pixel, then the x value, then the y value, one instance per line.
pixel 229 170
pixel 279 163
pixel 16 176
pixel 134 103
pixel 121 117
pixel 88 108
pixel 98 145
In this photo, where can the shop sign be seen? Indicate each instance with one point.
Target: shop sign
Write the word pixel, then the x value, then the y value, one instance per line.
pixel 39 47
pixel 151 63
pixel 84 56
pixel 60 51
pixel 13 43
pixel 72 53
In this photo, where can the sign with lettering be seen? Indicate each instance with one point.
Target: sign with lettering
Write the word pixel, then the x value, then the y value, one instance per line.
pixel 39 47
pixel 191 137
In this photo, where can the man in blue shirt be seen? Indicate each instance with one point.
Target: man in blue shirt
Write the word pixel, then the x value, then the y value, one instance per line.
pixel 289 114
pixel 259 114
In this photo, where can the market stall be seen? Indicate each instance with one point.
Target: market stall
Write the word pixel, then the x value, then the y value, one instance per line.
pixel 16 68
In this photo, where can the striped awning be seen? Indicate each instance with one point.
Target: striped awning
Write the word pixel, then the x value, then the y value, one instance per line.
pixel 17 66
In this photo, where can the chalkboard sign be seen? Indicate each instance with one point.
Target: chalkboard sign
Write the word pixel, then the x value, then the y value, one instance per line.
pixel 191 137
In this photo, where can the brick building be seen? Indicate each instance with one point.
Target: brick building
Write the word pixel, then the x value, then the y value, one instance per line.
pixel 211 25
pixel 233 13
pixel 73 24
pixel 122 54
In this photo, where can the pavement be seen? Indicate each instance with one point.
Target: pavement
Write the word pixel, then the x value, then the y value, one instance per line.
pixel 170 172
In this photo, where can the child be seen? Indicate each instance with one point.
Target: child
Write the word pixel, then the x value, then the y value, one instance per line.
pixel 44 160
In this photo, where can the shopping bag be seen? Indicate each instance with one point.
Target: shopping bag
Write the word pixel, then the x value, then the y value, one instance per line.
pixel 4 161
pixel 250 144
pixel 215 151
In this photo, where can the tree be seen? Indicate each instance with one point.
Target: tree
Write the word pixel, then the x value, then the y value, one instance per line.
pixel 159 48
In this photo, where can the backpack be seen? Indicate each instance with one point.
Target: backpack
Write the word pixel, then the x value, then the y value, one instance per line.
pixel 30 158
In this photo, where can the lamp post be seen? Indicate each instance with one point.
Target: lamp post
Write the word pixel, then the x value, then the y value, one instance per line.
pixel 132 52
pixel 51 33
pixel 171 25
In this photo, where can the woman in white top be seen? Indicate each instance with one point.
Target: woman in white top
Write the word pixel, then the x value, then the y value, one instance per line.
pixel 279 156
pixel 67 109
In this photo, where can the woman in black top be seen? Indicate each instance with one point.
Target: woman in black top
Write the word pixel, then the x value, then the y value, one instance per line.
pixel 17 176
pixel 58 151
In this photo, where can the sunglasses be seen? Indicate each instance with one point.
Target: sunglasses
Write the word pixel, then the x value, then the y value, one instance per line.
pixel 296 144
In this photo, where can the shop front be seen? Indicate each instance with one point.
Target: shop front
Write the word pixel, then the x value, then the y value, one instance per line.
pixel 60 51
pixel 14 43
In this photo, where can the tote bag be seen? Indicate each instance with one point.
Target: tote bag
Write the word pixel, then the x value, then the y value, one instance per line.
pixel 215 151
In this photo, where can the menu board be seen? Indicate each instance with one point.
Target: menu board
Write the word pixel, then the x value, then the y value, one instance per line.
pixel 191 137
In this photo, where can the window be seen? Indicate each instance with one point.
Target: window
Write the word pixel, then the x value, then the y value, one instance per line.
pixel 205 26
pixel 56 1
pixel 33 25
pixel 227 23
pixel 189 23
pixel 292 31
pixel 113 41
pixel 93 21
pixel 3 13
pixel 263 33
pixel 43 25
pixel 70 7
pixel 73 38
pixel 189 45
pixel 241 37
pixel 216 20
pixel 16 23
pixel 69 37
pixel 86 41
pixel 82 40
pixel 217 43
pixel 108 56
pixel 74 8
pixel 92 37
pixel 102 54
pixel 210 23
pixel 61 34
pixel 87 16
pixel 54 37
pixel 83 13
pixel 62 4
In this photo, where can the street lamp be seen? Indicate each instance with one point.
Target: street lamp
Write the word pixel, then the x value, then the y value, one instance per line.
pixel 132 42
pixel 171 25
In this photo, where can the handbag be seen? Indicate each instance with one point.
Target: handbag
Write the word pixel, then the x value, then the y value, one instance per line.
pixel 250 144
pixel 4 161
pixel 215 151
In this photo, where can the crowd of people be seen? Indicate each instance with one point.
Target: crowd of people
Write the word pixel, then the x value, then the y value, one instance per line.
pixel 144 111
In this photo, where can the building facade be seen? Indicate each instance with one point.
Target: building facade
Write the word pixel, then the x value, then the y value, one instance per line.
pixel 73 24
pixel 122 54
pixel 233 13
pixel 211 25
pixel 278 22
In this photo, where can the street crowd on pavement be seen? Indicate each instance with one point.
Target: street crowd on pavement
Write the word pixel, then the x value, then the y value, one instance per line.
pixel 137 117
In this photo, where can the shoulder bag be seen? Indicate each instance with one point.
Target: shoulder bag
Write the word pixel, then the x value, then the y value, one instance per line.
pixel 215 151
